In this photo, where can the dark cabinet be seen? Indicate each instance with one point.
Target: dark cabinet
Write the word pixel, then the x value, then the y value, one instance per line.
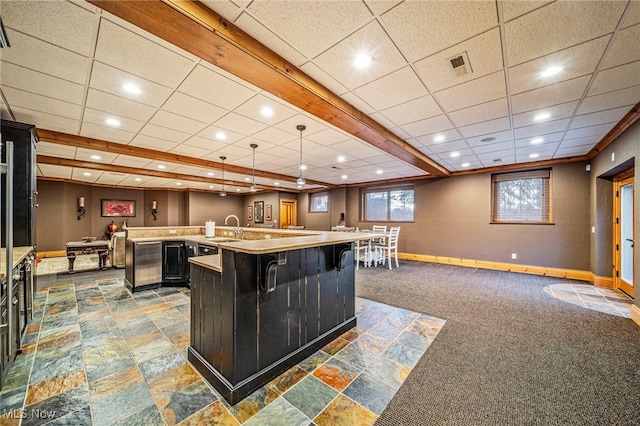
pixel 12 324
pixel 175 265
pixel 25 193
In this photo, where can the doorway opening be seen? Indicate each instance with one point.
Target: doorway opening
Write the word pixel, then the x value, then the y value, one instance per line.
pixel 288 213
pixel 624 233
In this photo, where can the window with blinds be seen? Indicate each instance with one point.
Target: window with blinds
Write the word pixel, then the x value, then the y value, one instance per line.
pixel 319 202
pixel 388 204
pixel 521 197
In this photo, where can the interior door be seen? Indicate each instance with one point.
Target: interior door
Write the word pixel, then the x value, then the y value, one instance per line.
pixel 288 213
pixel 624 233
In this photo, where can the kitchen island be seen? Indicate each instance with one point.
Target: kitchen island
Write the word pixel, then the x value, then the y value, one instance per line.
pixel 263 305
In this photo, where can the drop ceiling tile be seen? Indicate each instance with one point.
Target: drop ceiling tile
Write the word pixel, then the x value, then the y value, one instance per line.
pixel 23 99
pixel 358 102
pixel 227 9
pixel 190 150
pixel 83 154
pixel 589 141
pixel 515 8
pixel 494 137
pixel 545 30
pixel 548 138
pixel 111 178
pixel 430 139
pixel 214 88
pixel 526 158
pixel 327 136
pixel 541 129
pixel 311 27
pixel 149 141
pixel 139 56
pixel 119 106
pixel 625 97
pixel 36 82
pixel 576 61
pixel 633 17
pixel 46 121
pixel 479 113
pixel 129 161
pixel 493 147
pixel 481 90
pixel 105 133
pixel 484 57
pixel 321 76
pixel 188 106
pixel 554 94
pixel 446 147
pixel 485 128
pixel 240 124
pixel 177 122
pixel 602 117
pixel 428 126
pixel 585 132
pixel 557 112
pixel 99 118
pixel 434 19
pixel 547 148
pixel 616 78
pixel 507 157
pixel 212 146
pixel 85 175
pixel 111 80
pixel 371 40
pixel 414 110
pixel 38 55
pixel 396 88
pixel 72 28
pixel 53 171
pixel 56 150
pixel 164 133
pixel 572 151
pixel 625 48
pixel 253 107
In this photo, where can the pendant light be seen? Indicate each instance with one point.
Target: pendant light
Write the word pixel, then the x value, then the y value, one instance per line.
pixel 253 171
pixel 301 180
pixel 223 193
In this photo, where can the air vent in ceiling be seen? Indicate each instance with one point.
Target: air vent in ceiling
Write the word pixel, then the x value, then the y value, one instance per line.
pixel 497 161
pixel 489 139
pixel 460 64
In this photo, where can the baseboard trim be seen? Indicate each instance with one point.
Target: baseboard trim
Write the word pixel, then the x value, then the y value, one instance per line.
pixel 635 314
pixel 572 274
pixel 56 253
pixel 602 281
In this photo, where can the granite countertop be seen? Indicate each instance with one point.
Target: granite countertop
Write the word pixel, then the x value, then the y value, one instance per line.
pixel 211 261
pixel 19 254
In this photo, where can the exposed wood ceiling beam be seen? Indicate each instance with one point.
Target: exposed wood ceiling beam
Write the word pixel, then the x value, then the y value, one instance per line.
pixel 197 29
pixel 150 154
pixel 42 159
pixel 627 121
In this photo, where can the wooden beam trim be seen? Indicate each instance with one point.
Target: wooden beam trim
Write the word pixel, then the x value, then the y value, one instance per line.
pixel 200 31
pixel 627 121
pixel 134 151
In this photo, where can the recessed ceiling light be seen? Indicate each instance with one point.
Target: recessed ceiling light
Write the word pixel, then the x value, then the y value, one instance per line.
pixel 551 71
pixel 465 164
pixel 209 173
pixel 210 186
pixel 220 135
pixel 299 186
pixel 237 189
pixel 534 155
pixel 131 88
pixel 379 171
pixel 276 183
pixel 138 179
pixel 96 157
pixel 112 122
pixel 303 167
pixel 439 138
pixel 363 60
pixel 536 141
pixel 455 154
pixel 341 159
pixel 247 179
pixel 179 183
pixel 162 166
pixel 344 177
pixel 266 111
pixel 87 174
pixel 542 116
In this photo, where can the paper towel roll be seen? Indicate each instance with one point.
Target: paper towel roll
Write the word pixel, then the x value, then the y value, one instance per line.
pixel 209 229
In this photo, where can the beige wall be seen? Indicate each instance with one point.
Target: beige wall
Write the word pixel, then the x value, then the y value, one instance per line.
pixel 204 206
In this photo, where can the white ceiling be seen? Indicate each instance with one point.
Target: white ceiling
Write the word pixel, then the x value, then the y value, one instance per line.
pixel 66 74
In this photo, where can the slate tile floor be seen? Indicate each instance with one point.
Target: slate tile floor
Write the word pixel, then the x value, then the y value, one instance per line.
pixel 602 299
pixel 97 354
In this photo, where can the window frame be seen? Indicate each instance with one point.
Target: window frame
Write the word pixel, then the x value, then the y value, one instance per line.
pixel 520 175
pixel 388 189
pixel 314 195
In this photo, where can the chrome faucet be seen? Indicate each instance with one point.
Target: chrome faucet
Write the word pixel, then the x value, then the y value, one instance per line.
pixel 238 230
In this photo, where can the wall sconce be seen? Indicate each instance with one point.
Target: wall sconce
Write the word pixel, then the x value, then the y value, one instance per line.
pixel 81 211
pixel 154 209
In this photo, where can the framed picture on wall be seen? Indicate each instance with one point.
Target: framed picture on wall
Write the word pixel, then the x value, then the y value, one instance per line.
pixel 250 213
pixel 117 208
pixel 267 213
pixel 258 208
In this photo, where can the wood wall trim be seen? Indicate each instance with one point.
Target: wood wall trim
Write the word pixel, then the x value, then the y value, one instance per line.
pixel 572 274
pixel 602 281
pixel 54 253
pixel 635 314
pixel 200 31
pixel 151 154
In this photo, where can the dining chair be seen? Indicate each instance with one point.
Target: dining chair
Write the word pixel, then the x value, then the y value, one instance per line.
pixel 391 246
pixel 361 252
pixel 380 228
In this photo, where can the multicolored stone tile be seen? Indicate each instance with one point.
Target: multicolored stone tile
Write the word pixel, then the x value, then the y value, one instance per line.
pixel 55 386
pixel 337 374
pixel 343 411
pixel 213 414
pixel 286 380
pixel 370 393
pixel 279 413
pixel 310 396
